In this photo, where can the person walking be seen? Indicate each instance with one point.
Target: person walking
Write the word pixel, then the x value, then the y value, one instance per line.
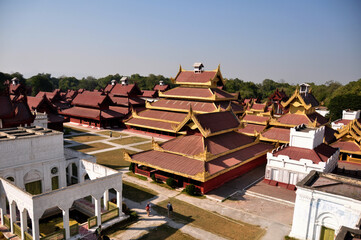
pixel 98 232
pixel 147 208
pixel 170 209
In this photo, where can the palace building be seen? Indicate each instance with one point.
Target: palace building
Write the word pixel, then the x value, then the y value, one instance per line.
pixel 43 180
pixel 349 141
pixel 211 153
pixel 301 110
pixel 94 109
pixel 198 89
pixel 290 163
pixel 325 204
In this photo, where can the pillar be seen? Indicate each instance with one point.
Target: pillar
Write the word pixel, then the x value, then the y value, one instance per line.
pixel 35 225
pixel 66 223
pixel 12 215
pixel 98 212
pixel 119 202
pixel 2 206
pixel 106 199
pixel 23 222
pixel 70 173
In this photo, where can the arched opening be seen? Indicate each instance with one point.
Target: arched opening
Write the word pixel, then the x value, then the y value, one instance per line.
pixel 33 182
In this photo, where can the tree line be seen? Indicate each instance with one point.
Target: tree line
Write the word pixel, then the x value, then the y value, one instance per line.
pixel 331 94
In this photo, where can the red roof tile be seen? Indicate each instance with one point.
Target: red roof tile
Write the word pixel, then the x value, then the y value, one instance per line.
pixel 258 106
pixel 148 123
pixel 343 121
pixel 280 134
pixel 254 118
pixel 346 146
pixel 225 142
pixel 150 93
pixel 189 92
pixel 320 154
pixel 185 105
pixel 237 157
pixel 161 88
pixel 172 162
pixel 125 90
pixel 218 121
pixel 164 115
pixel 236 107
pixel 91 113
pixel 294 119
pixel 222 94
pixel 89 99
pixel 190 145
pixel 22 115
pixel 310 99
pixel 320 119
pixel 191 77
pixel 251 128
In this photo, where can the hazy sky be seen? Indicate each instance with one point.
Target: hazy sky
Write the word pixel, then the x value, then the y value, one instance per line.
pixel 294 41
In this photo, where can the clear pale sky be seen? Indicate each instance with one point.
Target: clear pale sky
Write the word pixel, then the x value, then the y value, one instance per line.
pixel 294 41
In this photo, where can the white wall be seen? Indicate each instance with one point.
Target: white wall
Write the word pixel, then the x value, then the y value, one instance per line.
pixel 309 138
pixel 350 115
pixel 314 209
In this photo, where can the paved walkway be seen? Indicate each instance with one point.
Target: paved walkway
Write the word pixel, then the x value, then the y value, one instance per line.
pixel 275 229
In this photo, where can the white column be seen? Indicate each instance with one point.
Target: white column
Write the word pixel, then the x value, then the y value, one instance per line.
pixel 119 202
pixel 106 199
pixel 2 206
pixel 12 215
pixel 70 167
pixel 66 223
pixel 35 228
pixel 23 222
pixel 98 210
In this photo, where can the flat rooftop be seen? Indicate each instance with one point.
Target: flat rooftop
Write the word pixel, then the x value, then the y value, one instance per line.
pixel 332 183
pixel 25 132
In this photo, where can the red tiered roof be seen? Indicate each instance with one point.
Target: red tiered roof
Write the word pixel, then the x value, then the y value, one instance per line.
pixel 251 128
pixel 163 115
pixel 278 134
pixel 319 154
pixel 91 99
pixel 184 105
pixel 161 88
pixel 346 146
pixel 192 77
pixel 254 118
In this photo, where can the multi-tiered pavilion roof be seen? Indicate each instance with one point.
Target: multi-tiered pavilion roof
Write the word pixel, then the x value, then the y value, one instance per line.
pixel 198 89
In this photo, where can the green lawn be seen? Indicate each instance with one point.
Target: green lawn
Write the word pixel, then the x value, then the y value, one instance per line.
pixel 145 146
pixel 144 178
pixel 113 158
pixel 166 232
pixel 114 133
pixel 91 147
pixel 85 138
pixel 137 193
pixel 75 130
pixel 129 140
pixel 209 221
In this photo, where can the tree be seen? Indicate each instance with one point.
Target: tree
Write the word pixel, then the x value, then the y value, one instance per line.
pixel 40 82
pixel 66 83
pixel 88 83
pixel 342 102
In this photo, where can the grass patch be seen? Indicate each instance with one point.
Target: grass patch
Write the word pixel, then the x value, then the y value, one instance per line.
pixel 113 159
pixel 129 140
pixel 209 221
pixel 91 147
pixel 144 178
pixel 114 133
pixel 137 193
pixel 74 130
pixel 145 146
pixel 85 138
pixel 166 232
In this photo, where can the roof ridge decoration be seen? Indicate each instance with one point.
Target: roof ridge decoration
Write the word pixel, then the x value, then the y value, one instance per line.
pixel 205 156
pixel 156 146
pixel 297 95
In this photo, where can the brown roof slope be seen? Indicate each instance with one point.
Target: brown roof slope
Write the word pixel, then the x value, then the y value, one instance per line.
pixel 294 119
pixel 89 99
pixel 189 92
pixel 124 90
pixel 191 77
pixel 190 145
pixel 184 105
pixel 22 115
pixel 149 123
pixel 172 162
pixel 254 118
pixel 225 142
pixel 222 94
pixel 237 157
pixel 164 115
pixel 218 121
pixel 310 99
pixel 161 88
pixel 236 107
pixel 251 128
pixel 280 134
pixel 320 119
pixel 347 146
pixel 320 154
